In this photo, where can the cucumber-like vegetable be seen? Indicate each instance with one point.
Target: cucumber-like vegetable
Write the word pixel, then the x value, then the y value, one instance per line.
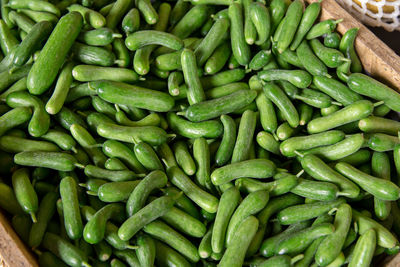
pixel 46 67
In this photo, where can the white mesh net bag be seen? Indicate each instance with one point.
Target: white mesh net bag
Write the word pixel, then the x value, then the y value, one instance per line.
pixel 382 13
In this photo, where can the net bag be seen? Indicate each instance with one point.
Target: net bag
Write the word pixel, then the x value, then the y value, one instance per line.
pixel 377 13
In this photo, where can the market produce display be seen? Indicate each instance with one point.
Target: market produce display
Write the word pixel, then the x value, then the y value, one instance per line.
pixel 194 133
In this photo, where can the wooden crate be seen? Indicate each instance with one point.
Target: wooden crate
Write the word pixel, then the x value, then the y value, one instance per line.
pixel 377 58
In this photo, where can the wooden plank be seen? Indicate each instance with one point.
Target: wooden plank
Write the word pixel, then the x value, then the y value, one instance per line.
pixel 377 58
pixel 13 250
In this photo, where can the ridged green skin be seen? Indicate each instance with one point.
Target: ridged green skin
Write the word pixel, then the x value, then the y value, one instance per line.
pixel 332 40
pixel 206 129
pixel 380 188
pixel 380 165
pixel 184 223
pixel 95 229
pixel 275 188
pixel 322 191
pixel 184 158
pixel 211 41
pixel 310 61
pixel 150 134
pixel 195 92
pixel 332 58
pixel 240 48
pixel 148 11
pixel 64 250
pixel 269 245
pixel 71 211
pixel 227 205
pixel 31 42
pixel 268 142
pixel 226 147
pixel 114 16
pixel 204 248
pixel 113 148
pixel 183 203
pixel 336 90
pixel 153 119
pixel 293 245
pixel 87 73
pixel 168 235
pixel 4 13
pixel 260 17
pixel 304 212
pixel 364 85
pixel 25 193
pixel 346 46
pixel 260 59
pixel 384 237
pixel 353 112
pixel 46 67
pixel 23 22
pixel 46 211
pixel 139 39
pixel 92 17
pixel 291 23
pixel 147 214
pixel 39 6
pixel 19 85
pixel 201 155
pixel 116 191
pixel 13 118
pixel 331 246
pixel 289 146
pixel 113 176
pixel 214 108
pixel 146 253
pixel 234 255
pixel 131 21
pixel 60 138
pixel 86 140
pixel 358 158
pixel 39 16
pixel 202 198
pixel 64 81
pixel 374 124
pixel 309 17
pixel 364 249
pixel 245 135
pixel 298 78
pixel 191 21
pixel 168 256
pixel 315 167
pixel 222 78
pixel 52 160
pixel 13 144
pixel 125 94
pixel 218 59
pixel 40 121
pixel 48 259
pixel 255 168
pixel 322 28
pixel 346 147
pixel 137 199
pixel 251 205
pixel 8 200
pixel 280 260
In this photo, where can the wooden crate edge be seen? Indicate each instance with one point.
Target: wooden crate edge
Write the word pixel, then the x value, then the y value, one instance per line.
pixel 13 250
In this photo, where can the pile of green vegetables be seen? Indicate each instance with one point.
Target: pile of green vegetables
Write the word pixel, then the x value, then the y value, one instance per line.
pixel 194 133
